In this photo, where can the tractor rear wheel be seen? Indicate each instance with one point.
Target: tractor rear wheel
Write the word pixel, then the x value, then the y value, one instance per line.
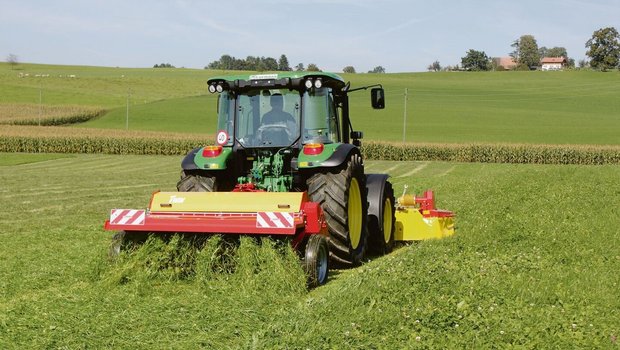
pixel 195 182
pixel 342 196
pixel 316 260
pixel 381 229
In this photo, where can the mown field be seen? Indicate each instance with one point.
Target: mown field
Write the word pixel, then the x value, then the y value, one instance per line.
pixel 534 265
pixel 572 107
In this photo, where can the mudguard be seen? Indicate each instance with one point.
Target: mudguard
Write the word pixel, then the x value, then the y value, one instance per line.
pixel 375 184
pixel 196 160
pixel 188 162
pixel 340 155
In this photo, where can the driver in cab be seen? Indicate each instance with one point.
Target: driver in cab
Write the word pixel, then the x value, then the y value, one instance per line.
pixel 277 126
pixel 277 115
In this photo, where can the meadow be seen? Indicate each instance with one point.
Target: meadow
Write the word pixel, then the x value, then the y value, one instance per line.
pixel 533 266
pixel 571 107
pixel 533 263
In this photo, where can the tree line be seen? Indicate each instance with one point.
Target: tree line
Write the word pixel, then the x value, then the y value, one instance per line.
pixel 251 63
pixel 603 51
pixel 227 62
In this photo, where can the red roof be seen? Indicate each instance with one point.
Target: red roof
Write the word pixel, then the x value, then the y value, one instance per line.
pixel 553 60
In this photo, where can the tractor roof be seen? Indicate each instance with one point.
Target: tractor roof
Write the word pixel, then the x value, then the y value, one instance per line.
pixel 292 80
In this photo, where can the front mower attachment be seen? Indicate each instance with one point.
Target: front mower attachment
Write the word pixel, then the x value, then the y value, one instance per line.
pixel 255 213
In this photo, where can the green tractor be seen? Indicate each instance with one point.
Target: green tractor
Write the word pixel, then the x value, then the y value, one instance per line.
pixel 291 132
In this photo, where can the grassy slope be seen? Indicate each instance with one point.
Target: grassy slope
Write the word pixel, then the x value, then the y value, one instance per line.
pixel 98 86
pixel 516 107
pixel 174 115
pixel 532 265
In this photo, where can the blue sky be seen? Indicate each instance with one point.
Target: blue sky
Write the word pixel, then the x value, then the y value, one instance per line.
pixel 402 36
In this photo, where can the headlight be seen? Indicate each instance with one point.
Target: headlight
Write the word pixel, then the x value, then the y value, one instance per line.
pixel 309 84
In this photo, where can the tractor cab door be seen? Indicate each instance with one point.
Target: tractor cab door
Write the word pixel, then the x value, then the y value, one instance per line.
pixel 320 117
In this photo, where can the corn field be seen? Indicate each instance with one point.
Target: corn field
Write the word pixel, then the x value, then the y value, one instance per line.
pixel 74 140
pixel 494 153
pixel 46 115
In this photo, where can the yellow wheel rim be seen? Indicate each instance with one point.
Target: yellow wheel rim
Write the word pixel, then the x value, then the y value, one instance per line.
pixel 354 218
pixel 387 220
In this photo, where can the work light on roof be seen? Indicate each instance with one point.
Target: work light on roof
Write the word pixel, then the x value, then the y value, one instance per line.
pixel 309 84
pixel 318 83
pixel 219 88
pixel 212 88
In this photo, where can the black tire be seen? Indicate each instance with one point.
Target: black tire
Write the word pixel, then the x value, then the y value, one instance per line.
pixel 196 182
pixel 316 260
pixel 333 191
pixel 381 230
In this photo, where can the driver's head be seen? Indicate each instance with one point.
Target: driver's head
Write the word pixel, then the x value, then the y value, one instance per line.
pixel 276 101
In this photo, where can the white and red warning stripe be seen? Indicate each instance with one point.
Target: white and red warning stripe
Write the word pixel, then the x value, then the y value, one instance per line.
pixel 274 219
pixel 127 217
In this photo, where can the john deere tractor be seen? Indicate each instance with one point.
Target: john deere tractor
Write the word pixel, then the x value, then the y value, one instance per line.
pixel 291 132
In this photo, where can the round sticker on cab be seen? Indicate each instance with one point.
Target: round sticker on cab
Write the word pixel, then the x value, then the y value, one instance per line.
pixel 222 138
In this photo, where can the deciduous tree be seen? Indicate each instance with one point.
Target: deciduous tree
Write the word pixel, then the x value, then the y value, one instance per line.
pixel 377 69
pixel 476 61
pixel 434 67
pixel 526 52
pixel 313 68
pixel 604 49
pixel 348 69
pixel 557 52
pixel 12 60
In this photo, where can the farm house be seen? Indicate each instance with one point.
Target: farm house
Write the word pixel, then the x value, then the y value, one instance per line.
pixel 553 63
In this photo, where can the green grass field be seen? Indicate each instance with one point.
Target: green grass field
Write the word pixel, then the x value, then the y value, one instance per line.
pixel 533 265
pixel 572 107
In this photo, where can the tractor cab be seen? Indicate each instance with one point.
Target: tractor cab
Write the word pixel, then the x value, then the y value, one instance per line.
pixel 266 112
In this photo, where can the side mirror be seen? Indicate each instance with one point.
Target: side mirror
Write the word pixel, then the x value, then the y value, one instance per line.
pixel 356 135
pixel 377 98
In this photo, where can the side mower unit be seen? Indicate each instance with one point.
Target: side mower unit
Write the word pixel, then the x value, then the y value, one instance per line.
pixel 417 219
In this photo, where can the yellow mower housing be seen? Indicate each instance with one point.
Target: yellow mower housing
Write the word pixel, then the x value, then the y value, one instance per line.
pixel 417 219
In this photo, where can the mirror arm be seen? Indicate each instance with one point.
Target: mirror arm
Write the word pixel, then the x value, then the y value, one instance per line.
pixel 365 87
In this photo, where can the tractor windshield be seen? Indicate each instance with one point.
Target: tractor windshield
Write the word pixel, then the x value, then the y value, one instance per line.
pixel 268 118
pixel 320 117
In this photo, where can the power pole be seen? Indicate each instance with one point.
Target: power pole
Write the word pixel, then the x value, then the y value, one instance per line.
pixel 127 113
pixel 405 116
pixel 40 102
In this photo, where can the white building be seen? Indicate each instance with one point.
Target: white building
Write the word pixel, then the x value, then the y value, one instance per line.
pixel 553 63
